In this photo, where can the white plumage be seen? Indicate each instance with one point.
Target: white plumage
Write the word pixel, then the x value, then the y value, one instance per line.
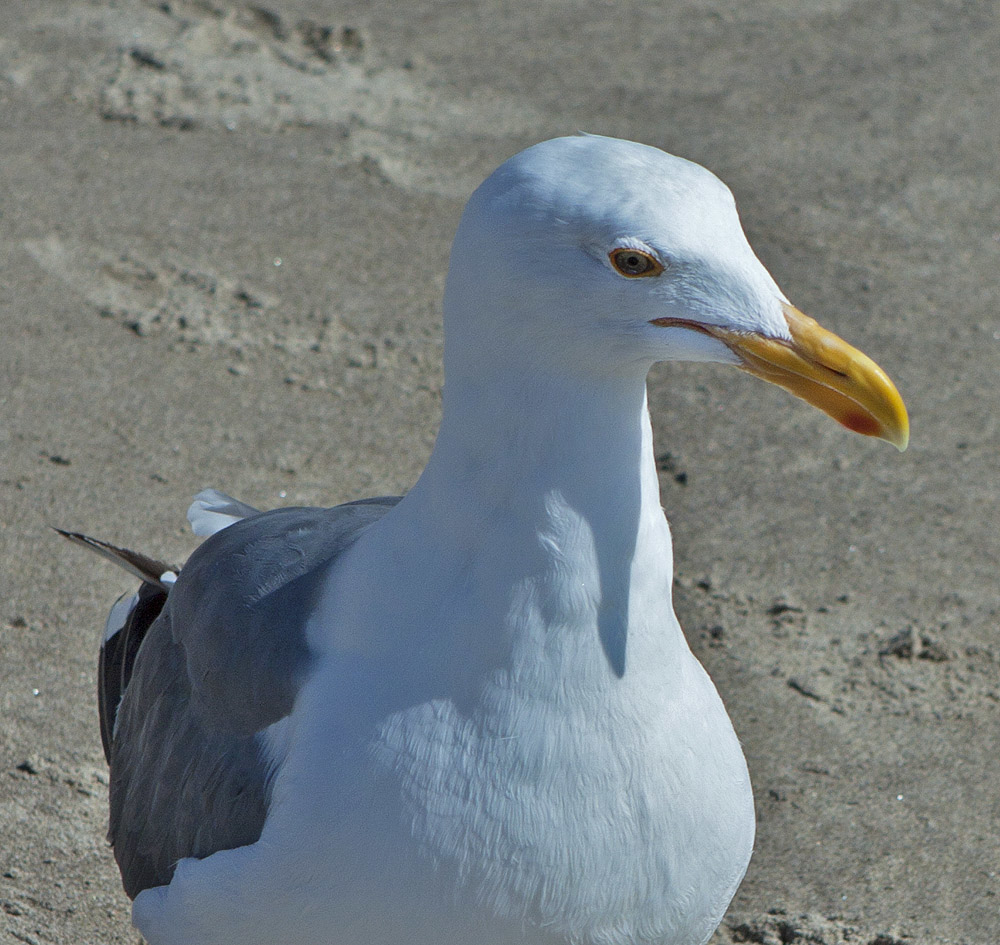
pixel 499 734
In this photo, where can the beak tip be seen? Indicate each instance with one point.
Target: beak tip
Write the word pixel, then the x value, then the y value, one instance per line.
pixel 897 431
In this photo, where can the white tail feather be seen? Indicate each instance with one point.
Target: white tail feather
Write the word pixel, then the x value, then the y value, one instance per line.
pixel 213 511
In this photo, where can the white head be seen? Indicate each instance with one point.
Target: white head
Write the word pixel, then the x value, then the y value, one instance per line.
pixel 532 260
pixel 591 256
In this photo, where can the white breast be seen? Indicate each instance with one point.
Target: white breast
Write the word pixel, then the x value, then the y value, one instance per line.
pixel 507 777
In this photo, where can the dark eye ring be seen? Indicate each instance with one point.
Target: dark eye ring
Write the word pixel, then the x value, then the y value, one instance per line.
pixel 634 263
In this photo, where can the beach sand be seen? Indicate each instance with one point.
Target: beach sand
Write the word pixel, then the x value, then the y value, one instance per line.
pixel 224 233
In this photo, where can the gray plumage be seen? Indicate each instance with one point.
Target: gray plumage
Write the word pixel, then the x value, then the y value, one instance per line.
pixel 221 661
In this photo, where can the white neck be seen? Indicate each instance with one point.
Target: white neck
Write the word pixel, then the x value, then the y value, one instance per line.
pixel 507 446
pixel 551 479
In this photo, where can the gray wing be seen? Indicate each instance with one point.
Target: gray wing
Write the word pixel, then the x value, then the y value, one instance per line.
pixel 221 661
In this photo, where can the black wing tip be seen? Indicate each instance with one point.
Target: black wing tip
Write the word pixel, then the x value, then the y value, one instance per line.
pixel 72 536
pixel 148 570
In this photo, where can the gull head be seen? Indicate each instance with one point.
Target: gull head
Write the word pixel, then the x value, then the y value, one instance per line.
pixel 594 257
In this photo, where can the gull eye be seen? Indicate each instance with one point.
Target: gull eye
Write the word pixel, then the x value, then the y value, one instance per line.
pixel 634 263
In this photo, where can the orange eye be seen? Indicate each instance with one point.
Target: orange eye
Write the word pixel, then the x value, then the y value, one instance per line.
pixel 634 263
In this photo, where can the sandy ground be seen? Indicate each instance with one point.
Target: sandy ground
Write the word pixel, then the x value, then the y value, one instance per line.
pixel 224 232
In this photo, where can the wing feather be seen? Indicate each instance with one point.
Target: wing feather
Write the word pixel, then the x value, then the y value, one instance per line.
pixel 197 671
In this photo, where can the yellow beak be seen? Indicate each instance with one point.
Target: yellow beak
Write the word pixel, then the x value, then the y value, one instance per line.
pixel 823 370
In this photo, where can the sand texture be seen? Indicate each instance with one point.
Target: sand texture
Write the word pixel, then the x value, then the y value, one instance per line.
pixel 224 230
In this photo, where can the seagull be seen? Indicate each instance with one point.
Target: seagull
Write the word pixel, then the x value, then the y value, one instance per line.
pixel 468 715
